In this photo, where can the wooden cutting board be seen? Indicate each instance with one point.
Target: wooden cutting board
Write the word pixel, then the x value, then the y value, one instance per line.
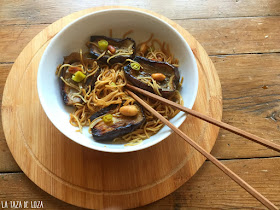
pixel 92 179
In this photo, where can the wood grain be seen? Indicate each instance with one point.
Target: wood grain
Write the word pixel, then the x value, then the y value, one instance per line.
pixel 267 143
pixel 207 189
pixel 267 203
pixel 15 38
pixel 235 35
pixel 258 111
pixel 210 189
pixel 246 105
pixel 17 187
pixel 30 12
pixel 66 170
pixel 217 36
pixel 7 162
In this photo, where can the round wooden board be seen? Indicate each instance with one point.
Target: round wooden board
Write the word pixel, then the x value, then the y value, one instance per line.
pixel 92 179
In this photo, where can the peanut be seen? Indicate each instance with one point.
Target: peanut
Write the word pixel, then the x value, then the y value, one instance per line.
pixel 158 77
pixel 129 110
pixel 159 58
pixel 111 49
pixel 74 69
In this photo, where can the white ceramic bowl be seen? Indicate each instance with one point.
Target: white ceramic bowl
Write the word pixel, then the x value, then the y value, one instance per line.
pixel 74 36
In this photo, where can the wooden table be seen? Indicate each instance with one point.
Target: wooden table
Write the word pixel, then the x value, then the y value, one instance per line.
pixel 242 39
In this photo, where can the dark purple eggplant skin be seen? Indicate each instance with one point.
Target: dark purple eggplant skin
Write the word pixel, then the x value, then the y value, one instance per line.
pixel 72 58
pixel 91 81
pixel 113 42
pixel 64 89
pixel 141 60
pixel 66 100
pixel 103 111
pixel 75 57
pixel 120 130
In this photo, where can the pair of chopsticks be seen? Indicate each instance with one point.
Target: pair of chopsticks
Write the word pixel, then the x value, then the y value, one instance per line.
pixel 210 157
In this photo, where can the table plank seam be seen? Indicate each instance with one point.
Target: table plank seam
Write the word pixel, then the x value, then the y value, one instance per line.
pixel 252 53
pixel 245 53
pixel 24 24
pixel 174 19
pixel 247 158
pixel 213 55
pixel 8 62
pixel 229 17
pixel 9 173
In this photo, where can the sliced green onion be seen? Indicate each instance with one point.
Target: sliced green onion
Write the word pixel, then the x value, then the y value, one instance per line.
pixel 113 84
pixel 78 76
pixel 108 118
pixel 103 44
pixel 135 66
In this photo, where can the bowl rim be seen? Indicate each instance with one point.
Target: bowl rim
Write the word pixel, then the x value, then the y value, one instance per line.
pixel 104 148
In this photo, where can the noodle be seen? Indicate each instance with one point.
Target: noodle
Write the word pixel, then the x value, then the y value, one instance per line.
pixel 127 33
pixel 109 89
pixel 151 82
pixel 119 53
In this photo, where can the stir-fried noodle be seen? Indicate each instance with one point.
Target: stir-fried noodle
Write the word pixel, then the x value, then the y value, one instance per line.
pixel 109 89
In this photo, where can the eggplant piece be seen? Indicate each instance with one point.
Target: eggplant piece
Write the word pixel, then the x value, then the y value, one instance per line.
pixel 120 126
pixel 66 91
pixel 106 110
pixel 126 44
pixel 75 57
pixel 167 86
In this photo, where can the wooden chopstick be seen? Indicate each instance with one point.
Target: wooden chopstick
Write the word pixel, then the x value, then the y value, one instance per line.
pixel 210 157
pixel 228 127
